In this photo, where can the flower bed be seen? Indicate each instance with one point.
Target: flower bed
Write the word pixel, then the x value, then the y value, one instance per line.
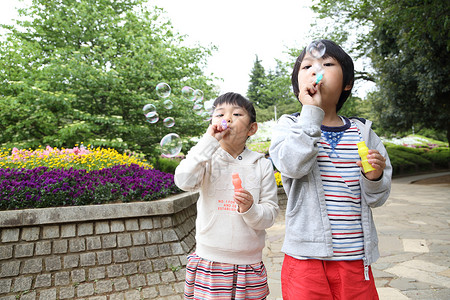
pixel 51 177
pixel 77 158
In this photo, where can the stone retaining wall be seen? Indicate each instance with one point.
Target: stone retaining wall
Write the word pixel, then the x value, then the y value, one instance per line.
pixel 113 251
pixel 99 252
pixel 282 200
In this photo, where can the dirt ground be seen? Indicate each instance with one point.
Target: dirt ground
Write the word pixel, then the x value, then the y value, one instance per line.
pixel 436 180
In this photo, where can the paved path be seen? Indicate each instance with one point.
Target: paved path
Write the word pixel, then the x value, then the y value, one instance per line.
pixel 414 239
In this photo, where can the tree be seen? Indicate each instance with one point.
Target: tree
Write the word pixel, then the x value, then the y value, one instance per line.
pixel 277 93
pixel 271 89
pixel 408 43
pixel 277 89
pixel 257 83
pixel 356 107
pixel 81 71
pixel 414 67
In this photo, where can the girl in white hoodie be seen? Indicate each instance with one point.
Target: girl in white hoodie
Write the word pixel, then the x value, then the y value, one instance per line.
pixel 231 222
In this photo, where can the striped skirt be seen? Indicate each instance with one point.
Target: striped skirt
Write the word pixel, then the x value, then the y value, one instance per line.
pixel 206 279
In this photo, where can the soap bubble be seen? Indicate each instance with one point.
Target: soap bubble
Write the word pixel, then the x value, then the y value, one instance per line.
pixel 206 116
pixel 152 117
pixel 188 93
pixel 150 113
pixel 316 49
pixel 170 145
pixel 209 110
pixel 163 90
pixel 199 101
pixel 168 104
pixel 198 95
pixel 149 108
pixel 198 109
pixel 209 105
pixel 169 122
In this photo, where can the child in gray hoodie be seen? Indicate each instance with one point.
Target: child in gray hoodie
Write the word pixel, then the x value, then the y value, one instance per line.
pixel 331 238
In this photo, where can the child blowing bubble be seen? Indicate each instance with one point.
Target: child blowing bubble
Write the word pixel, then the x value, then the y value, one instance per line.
pixel 231 221
pixel 330 238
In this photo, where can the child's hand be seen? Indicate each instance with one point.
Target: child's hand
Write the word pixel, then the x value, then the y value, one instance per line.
pixel 217 131
pixel 309 94
pixel 243 199
pixel 377 161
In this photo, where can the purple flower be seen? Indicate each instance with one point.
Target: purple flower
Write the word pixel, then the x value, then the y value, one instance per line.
pixel 44 187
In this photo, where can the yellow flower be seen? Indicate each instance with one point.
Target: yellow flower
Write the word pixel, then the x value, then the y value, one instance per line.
pixel 90 159
pixel 278 179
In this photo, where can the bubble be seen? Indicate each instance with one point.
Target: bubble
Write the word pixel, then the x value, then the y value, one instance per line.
pixel 198 95
pixel 198 109
pixel 152 117
pixel 316 49
pixel 170 145
pixel 168 104
pixel 169 122
pixel 150 113
pixel 188 93
pixel 199 101
pixel 149 108
pixel 163 90
pixel 209 105
pixel 209 110
pixel 206 116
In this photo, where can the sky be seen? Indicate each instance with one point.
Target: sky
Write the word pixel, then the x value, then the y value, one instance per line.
pixel 240 29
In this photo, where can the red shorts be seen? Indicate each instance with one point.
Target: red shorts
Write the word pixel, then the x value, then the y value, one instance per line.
pixel 321 279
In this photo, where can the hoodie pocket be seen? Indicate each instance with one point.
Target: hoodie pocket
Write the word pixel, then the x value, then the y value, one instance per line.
pixel 297 194
pixel 229 232
pixel 219 181
pixel 304 215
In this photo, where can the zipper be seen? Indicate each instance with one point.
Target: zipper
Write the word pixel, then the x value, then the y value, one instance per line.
pixel 366 269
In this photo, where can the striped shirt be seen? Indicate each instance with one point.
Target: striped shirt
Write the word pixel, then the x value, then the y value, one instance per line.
pixel 337 159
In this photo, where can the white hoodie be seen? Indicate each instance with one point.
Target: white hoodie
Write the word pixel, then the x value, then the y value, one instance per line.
pixel 223 234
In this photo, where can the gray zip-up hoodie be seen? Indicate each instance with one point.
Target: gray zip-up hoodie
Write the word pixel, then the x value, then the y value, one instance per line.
pixel 294 150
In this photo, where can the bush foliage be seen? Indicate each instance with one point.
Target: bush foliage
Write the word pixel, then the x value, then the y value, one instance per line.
pixel 409 159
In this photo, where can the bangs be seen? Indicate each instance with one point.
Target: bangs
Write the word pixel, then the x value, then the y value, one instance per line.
pixel 238 100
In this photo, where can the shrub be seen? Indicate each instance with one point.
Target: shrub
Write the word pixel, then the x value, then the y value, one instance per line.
pixel 167 165
pixel 405 159
pixel 439 156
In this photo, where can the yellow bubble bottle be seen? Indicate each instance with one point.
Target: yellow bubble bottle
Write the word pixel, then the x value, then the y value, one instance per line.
pixel 363 151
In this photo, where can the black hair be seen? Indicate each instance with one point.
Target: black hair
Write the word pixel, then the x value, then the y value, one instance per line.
pixel 239 100
pixel 335 51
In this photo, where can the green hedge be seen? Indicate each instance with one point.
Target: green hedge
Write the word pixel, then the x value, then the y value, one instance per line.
pixel 440 157
pixel 410 160
pixel 403 159
pixel 167 165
